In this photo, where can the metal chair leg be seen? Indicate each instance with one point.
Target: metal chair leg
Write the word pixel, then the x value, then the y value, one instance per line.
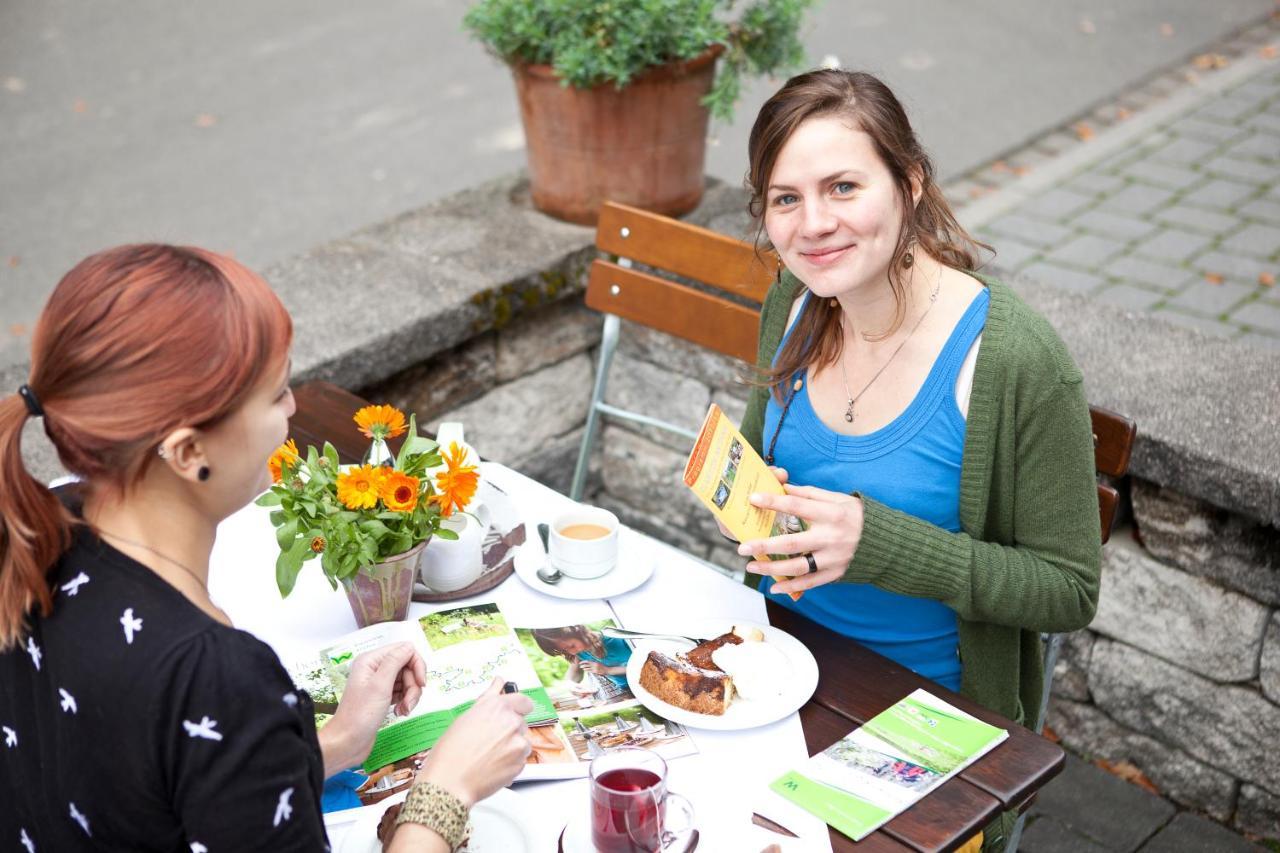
pixel 608 344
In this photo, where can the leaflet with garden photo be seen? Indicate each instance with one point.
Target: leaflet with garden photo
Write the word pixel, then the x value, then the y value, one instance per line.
pixel 881 768
pixel 724 471
pixel 582 704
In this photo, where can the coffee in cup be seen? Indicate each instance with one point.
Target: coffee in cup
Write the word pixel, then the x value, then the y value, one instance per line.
pixel 583 542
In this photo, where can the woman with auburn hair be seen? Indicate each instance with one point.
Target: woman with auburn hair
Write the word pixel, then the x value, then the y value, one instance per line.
pixel 587 650
pixel 931 428
pixel 134 716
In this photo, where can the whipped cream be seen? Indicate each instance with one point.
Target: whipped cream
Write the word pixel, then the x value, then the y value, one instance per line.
pixel 758 670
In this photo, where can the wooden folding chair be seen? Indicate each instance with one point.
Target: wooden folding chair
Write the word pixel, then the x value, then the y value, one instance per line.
pixel 696 313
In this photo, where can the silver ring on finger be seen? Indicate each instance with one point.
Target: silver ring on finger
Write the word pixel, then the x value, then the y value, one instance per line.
pixel 813 564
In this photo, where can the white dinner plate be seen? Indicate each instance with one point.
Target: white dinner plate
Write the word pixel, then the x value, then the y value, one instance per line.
pixel 635 565
pixel 741 713
pixel 496 826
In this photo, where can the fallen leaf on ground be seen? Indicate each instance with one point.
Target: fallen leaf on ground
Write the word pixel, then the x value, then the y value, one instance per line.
pixel 1021 170
pixel 976 192
pixel 999 166
pixel 1051 735
pixel 79 105
pixel 1210 61
pixel 1083 131
pixel 206 120
pixel 14 260
pixel 1087 27
pixel 1267 279
pixel 1268 52
pixel 18 330
pixel 1122 114
pixel 14 84
pixel 1166 30
pixel 1213 278
pixel 1128 773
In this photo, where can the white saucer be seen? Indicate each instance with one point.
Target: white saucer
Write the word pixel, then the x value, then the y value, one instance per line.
pixel 635 565
pixel 495 826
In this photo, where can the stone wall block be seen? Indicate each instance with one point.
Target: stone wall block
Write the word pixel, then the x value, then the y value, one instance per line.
pixel 657 526
pixel 1180 617
pixel 1270 674
pixel 552 464
pixel 1071 672
pixel 546 336
pixel 1224 726
pixel 680 356
pixel 648 476
pixel 1258 812
pixel 1196 536
pixel 516 421
pixel 1181 778
pixel 659 393
pixel 445 381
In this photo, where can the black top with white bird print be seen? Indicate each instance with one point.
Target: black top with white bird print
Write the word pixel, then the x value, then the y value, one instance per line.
pixel 131 720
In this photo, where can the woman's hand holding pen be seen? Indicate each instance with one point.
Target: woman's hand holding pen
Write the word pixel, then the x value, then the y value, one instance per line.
pixel 822 552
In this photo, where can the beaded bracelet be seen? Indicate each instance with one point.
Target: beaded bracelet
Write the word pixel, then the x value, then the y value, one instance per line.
pixel 437 809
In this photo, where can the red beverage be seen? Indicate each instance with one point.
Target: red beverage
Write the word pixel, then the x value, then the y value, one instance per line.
pixel 628 809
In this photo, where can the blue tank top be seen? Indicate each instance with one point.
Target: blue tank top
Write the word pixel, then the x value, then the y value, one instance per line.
pixel 911 464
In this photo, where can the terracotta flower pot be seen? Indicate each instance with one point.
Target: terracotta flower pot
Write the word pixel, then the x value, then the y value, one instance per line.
pixel 382 592
pixel 643 145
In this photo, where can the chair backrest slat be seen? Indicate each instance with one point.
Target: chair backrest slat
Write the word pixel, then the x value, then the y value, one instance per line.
pixel 717 324
pixel 686 250
pixel 1113 436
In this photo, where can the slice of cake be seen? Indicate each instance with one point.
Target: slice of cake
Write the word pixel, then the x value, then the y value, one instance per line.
pixel 700 655
pixel 677 681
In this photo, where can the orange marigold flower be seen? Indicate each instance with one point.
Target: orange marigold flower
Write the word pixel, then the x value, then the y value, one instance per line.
pixel 285 454
pixel 457 484
pixel 317 544
pixel 399 491
pixel 358 488
pixel 380 421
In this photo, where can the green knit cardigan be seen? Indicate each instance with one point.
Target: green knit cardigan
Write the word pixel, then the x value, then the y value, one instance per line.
pixel 1028 557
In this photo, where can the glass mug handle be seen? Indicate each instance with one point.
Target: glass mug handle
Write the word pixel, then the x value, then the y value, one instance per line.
pixel 686 810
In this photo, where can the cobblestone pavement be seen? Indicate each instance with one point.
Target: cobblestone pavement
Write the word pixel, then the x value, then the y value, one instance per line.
pixel 1182 222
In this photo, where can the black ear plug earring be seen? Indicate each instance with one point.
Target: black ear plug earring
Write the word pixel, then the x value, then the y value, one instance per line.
pixel 203 474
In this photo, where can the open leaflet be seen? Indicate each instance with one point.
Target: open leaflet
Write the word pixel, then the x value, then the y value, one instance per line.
pixel 881 768
pixel 575 676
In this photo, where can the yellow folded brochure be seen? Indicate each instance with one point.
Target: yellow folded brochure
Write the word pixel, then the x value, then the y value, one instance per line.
pixel 724 471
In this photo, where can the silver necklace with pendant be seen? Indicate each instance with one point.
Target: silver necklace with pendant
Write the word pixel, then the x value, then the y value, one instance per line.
pixel 852 399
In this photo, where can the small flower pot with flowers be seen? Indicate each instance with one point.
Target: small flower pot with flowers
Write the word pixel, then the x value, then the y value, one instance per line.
pixel 367 523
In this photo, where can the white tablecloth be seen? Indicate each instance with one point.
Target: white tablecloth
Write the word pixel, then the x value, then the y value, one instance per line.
pixel 726 780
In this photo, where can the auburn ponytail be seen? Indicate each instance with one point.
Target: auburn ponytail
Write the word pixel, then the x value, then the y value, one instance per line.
pixel 34 529
pixel 133 343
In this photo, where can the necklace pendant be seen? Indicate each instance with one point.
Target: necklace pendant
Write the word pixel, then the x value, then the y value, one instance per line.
pixel 848 413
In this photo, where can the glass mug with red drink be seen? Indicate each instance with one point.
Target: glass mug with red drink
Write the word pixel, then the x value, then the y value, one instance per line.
pixel 630 804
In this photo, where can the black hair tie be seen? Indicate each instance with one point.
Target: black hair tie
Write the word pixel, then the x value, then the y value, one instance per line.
pixel 33 402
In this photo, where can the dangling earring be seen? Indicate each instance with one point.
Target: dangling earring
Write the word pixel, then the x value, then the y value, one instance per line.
pixel 908 259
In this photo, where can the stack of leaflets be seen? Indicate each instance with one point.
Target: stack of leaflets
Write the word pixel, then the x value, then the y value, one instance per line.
pixel 576 677
pixel 880 769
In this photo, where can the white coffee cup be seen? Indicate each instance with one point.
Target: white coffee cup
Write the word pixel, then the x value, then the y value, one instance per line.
pixel 451 564
pixel 581 558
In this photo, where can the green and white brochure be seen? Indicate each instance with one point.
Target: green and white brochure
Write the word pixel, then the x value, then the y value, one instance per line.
pixel 881 768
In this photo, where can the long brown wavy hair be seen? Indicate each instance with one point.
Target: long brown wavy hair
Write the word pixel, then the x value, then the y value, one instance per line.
pixel 929 223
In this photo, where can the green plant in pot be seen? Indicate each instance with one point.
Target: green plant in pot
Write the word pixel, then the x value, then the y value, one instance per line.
pixel 615 95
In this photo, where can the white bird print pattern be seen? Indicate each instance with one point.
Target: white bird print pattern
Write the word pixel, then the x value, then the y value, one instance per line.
pixel 284 811
pixel 80 819
pixel 26 841
pixel 204 729
pixel 197 847
pixel 68 701
pixel 131 625
pixel 72 587
pixel 291 699
pixel 34 651
pixel 10 737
